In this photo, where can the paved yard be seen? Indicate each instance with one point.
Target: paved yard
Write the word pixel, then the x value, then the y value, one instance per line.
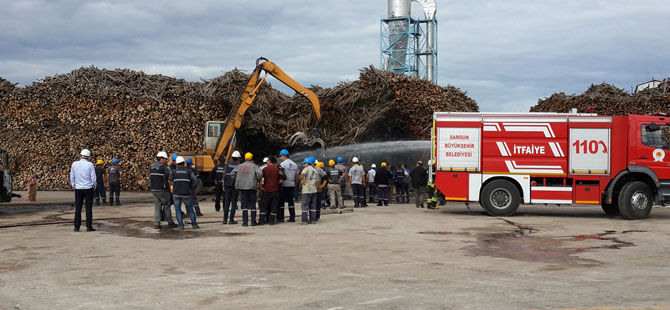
pixel 396 257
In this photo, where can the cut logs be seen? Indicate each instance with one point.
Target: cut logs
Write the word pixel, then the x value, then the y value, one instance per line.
pixel 606 99
pixel 131 116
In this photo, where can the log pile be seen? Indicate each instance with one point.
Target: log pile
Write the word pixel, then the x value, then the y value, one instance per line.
pixel 606 99
pixel 131 116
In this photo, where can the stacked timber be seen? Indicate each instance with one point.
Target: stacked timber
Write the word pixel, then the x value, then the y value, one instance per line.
pixel 606 99
pixel 131 116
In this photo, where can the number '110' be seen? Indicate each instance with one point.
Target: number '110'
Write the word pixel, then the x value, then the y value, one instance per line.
pixel 589 146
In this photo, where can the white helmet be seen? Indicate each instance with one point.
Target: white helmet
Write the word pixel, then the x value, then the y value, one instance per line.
pixel 265 160
pixel 162 155
pixel 373 166
pixel 180 160
pixel 85 152
pixel 237 154
pixel 355 159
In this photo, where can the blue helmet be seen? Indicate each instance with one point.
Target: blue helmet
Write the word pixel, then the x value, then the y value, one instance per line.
pixel 312 159
pixel 189 160
pixel 308 160
pixel 283 152
pixel 340 159
pixel 174 157
pixel 115 161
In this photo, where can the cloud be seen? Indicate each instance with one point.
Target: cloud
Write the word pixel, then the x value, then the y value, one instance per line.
pixel 505 54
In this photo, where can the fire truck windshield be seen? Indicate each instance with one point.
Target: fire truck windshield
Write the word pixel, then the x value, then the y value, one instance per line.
pixel 656 137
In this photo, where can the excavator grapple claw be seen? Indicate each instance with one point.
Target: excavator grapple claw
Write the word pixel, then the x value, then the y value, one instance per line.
pixel 308 141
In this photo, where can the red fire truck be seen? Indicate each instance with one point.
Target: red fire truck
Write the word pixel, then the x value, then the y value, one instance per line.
pixel 502 160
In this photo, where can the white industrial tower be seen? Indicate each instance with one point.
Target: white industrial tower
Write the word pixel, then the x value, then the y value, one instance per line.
pixel 409 45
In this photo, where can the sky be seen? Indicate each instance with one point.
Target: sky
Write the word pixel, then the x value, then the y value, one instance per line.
pixel 505 54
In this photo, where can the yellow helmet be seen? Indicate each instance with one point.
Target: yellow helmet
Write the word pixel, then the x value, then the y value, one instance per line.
pixel 383 164
pixel 319 164
pixel 99 162
pixel 248 156
pixel 331 163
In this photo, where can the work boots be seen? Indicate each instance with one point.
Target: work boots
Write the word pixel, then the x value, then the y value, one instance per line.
pixel 253 218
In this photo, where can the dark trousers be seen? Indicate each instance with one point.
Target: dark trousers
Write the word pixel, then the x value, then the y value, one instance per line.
pixel 372 191
pixel 218 192
pixel 269 206
pixel 359 198
pixel 114 188
pixel 100 192
pixel 384 194
pixel 229 203
pixel 401 192
pixel 287 197
pixel 81 197
pixel 248 202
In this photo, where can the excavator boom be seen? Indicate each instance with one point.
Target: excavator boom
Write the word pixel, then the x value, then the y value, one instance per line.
pixel 234 120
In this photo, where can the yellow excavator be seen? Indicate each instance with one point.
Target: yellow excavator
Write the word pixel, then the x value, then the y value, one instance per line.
pixel 219 141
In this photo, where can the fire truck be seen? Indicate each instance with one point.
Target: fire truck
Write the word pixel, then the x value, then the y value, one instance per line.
pixel 502 160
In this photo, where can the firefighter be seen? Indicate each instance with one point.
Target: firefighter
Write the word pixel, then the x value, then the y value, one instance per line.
pixel 114 177
pixel 229 191
pixel 194 195
pixel 100 179
pixel 247 176
pixel 184 183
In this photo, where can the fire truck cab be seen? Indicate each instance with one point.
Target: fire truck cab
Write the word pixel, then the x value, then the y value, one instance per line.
pixel 502 160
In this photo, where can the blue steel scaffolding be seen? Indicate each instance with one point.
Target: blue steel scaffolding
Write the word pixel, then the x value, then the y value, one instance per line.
pixel 407 48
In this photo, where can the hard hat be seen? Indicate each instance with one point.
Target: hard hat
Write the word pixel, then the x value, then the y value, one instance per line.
pixel 189 160
pixel 179 160
pixel 161 155
pixel 265 160
pixel 340 159
pixel 331 163
pixel 85 152
pixel 319 164
pixel 236 154
pixel 99 162
pixel 115 160
pixel 174 157
pixel 383 164
pixel 355 159
pixel 283 152
pixel 373 166
pixel 248 156
pixel 307 161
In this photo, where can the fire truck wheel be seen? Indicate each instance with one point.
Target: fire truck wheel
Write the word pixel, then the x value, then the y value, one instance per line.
pixel 635 200
pixel 500 198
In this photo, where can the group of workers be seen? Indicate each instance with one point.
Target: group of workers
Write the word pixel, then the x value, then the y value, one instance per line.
pixel 243 180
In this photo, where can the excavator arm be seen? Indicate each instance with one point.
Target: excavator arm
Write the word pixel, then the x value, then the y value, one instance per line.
pixel 234 120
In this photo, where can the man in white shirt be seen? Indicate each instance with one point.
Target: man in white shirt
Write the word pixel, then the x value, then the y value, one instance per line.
pixel 83 180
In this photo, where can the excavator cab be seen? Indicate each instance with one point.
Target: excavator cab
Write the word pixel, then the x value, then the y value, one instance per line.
pixel 213 130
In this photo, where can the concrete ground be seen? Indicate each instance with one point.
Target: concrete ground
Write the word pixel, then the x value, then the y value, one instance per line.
pixel 396 257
